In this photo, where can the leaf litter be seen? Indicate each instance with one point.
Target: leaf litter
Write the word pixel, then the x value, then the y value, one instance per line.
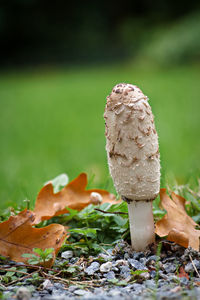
pixel 177 225
pixel 91 229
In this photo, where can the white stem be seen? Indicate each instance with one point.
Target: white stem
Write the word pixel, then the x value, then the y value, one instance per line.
pixel 141 224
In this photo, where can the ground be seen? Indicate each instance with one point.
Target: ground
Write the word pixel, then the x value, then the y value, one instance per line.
pixel 118 273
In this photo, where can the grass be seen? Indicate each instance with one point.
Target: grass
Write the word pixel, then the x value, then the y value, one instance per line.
pixel 51 121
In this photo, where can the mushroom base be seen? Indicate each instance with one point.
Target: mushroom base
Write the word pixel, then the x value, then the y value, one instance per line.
pixel 141 224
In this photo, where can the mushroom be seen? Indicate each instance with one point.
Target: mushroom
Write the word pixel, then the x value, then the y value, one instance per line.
pixel 133 158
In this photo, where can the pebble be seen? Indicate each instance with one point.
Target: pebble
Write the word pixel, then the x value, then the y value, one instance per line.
pixel 137 287
pixel 80 292
pixel 153 258
pixel 114 293
pixel 110 275
pixel 149 283
pixel 144 276
pixel 169 267
pixel 47 284
pixel 190 268
pixel 184 280
pixel 106 267
pixel 121 262
pixel 136 265
pixel 125 271
pixel 94 267
pixel 23 293
pixel 67 254
pixel 72 288
pixel 138 255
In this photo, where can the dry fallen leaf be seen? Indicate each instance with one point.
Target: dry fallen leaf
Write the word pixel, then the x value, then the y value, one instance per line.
pixel 176 224
pixel 73 195
pixel 17 236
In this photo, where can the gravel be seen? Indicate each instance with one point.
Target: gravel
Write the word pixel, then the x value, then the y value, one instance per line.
pixel 121 274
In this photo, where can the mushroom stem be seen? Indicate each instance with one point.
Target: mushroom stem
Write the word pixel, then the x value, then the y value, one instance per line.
pixel 141 224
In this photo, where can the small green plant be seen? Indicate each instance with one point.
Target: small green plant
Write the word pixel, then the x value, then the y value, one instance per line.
pixel 42 257
pixel 12 275
pixel 94 230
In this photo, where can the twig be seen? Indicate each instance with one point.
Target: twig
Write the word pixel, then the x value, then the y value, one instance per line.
pixel 11 270
pixel 38 267
pixel 109 212
pixel 66 281
pixel 194 266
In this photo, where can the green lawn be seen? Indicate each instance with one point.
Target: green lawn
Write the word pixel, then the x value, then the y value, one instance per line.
pixel 51 121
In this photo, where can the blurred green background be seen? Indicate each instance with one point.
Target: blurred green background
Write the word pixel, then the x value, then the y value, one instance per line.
pixel 59 62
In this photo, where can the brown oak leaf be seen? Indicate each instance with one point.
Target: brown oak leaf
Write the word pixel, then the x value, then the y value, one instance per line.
pixel 18 236
pixel 74 195
pixel 176 224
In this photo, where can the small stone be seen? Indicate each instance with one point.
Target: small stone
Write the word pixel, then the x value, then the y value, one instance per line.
pixel 98 291
pixel 196 263
pixel 106 267
pixel 80 292
pixel 67 254
pixel 23 293
pixel 137 287
pixel 126 256
pixel 125 272
pixel 169 267
pixel 149 283
pixel 94 267
pixel 162 275
pixel 153 274
pixel 184 280
pixel 121 262
pixel 143 260
pixel 59 285
pixel 138 255
pixel 136 265
pixel 110 275
pixel 153 258
pixel 72 288
pixel 114 293
pixel 46 284
pixel 162 282
pixel 144 276
pixel 190 268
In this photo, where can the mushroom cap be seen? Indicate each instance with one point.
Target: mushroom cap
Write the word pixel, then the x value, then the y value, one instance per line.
pixel 127 92
pixel 132 143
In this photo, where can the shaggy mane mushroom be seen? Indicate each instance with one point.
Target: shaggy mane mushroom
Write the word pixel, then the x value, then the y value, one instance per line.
pixel 133 158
